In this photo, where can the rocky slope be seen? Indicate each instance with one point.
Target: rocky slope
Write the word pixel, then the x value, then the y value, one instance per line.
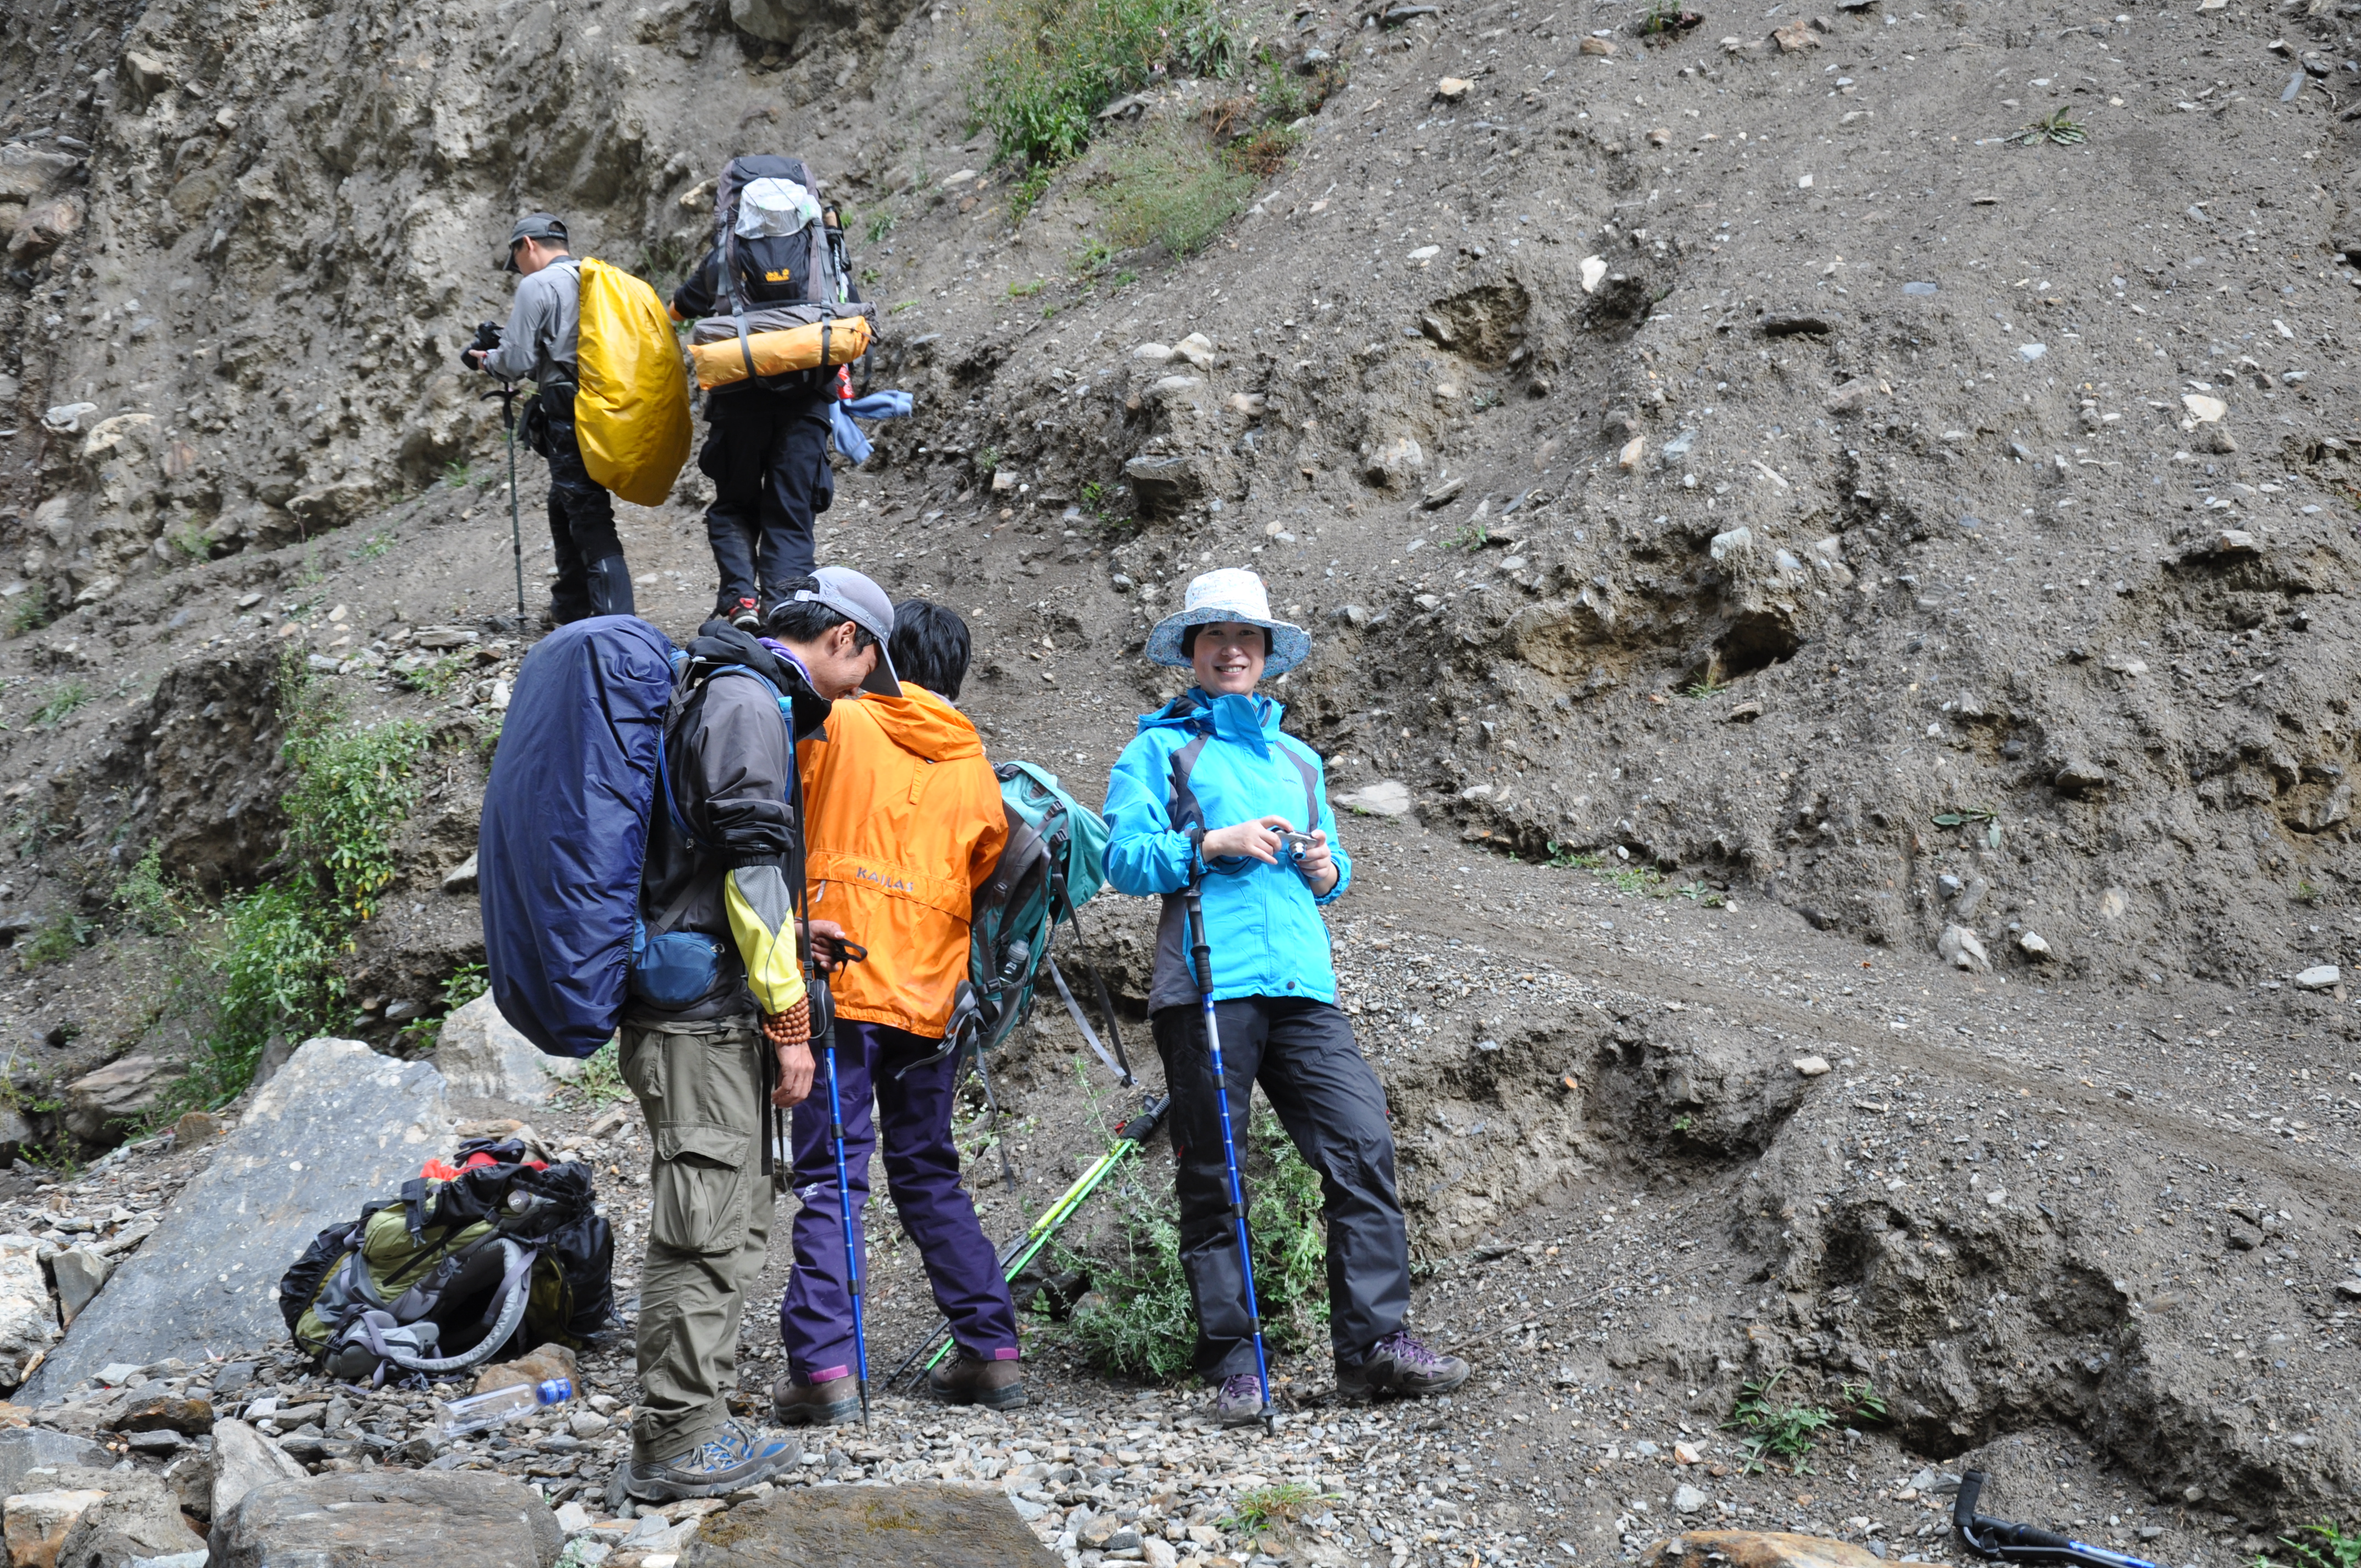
pixel 1721 452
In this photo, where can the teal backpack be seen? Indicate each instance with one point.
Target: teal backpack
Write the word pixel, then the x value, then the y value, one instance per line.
pixel 1054 863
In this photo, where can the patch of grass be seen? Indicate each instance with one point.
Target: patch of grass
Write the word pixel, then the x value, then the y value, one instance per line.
pixel 1025 291
pixel 2306 893
pixel 1775 1432
pixel 1471 536
pixel 151 899
pixel 1051 65
pixel 1286 1503
pixel 881 223
pixel 32 610
pixel 2338 1547
pixel 1698 893
pixel 1702 690
pixel 2054 128
pixel 439 676
pixel 459 475
pixel 56 941
pixel 62 701
pixel 1123 279
pixel 600 1082
pixel 1026 193
pixel 1171 190
pixel 1567 858
pixel 191 541
pixel 1147 1326
pixel 375 545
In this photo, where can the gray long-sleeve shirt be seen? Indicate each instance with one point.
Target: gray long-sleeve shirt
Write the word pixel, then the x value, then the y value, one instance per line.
pixel 544 326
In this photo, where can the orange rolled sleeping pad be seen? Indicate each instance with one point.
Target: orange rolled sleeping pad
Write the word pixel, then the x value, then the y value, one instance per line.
pixel 838 342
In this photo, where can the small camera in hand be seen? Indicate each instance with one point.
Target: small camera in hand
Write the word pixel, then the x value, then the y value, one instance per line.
pixel 1297 845
pixel 487 341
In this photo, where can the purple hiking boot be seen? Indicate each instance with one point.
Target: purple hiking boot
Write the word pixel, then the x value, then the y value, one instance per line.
pixel 1399 1363
pixel 1239 1404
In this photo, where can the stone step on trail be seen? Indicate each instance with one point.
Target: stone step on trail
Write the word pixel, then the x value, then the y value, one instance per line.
pixel 882 1527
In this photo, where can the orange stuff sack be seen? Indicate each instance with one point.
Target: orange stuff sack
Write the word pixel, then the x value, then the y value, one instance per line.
pixel 839 341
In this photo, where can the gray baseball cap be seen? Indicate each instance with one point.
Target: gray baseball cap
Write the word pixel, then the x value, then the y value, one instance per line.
pixel 865 604
pixel 532 225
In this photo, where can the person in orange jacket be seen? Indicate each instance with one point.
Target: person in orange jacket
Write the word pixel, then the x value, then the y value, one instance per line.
pixel 904 821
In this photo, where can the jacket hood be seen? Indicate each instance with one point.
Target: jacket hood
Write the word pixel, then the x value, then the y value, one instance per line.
pixel 1243 719
pixel 923 724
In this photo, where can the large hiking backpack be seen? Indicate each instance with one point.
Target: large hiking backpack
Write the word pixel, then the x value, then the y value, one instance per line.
pixel 575 784
pixel 631 405
pixel 471 1262
pixel 1054 863
pixel 787 277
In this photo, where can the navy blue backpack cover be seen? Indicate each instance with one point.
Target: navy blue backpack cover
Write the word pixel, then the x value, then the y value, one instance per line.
pixel 565 829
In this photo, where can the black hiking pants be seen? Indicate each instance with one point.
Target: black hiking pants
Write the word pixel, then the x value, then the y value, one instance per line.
pixel 1302 1054
pixel 766 454
pixel 581 522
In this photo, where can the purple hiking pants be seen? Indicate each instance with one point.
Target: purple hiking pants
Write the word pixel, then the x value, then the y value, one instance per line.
pixel 923 1175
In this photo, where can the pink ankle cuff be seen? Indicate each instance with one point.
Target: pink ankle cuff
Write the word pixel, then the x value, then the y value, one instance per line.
pixel 827 1374
pixel 1006 1352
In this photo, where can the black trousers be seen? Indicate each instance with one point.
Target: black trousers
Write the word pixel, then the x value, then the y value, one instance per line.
pixel 1302 1054
pixel 581 512
pixel 766 454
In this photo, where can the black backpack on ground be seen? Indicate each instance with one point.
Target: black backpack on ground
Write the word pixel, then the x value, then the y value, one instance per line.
pixel 468 1264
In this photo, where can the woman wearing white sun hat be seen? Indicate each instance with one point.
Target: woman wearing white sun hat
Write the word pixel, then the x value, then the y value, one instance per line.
pixel 1202 794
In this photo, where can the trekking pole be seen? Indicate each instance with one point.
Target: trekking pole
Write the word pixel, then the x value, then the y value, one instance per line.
pixel 1202 960
pixel 506 395
pixel 2009 1542
pixel 1017 1256
pixel 851 1233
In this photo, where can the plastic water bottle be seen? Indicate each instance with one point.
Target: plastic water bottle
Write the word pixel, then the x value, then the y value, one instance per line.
pixel 477 1411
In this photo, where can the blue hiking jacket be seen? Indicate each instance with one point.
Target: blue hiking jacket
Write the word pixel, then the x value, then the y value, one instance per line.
pixel 1261 921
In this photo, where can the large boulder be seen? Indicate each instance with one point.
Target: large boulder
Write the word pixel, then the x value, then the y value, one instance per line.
pixel 28 1324
pixel 910 1527
pixel 452 1519
pixel 27 1450
pixel 481 1056
pixel 101 1105
pixel 244 1459
pixel 137 1518
pixel 339 1125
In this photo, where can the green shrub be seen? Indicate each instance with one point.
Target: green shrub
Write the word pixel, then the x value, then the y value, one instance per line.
pixel 1170 188
pixel 32 610
pixel 1145 1326
pixel 1053 64
pixel 154 902
pixel 62 702
pixel 56 940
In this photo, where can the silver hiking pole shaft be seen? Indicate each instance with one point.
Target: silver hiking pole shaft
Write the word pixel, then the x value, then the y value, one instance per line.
pixel 516 527
pixel 1202 960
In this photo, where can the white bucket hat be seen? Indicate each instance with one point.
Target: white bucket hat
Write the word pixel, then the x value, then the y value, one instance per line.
pixel 1231 593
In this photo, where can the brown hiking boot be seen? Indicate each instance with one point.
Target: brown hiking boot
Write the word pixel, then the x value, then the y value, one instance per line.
pixel 964 1380
pixel 795 1403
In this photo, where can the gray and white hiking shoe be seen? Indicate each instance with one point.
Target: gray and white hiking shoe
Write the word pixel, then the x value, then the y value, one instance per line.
pixel 732 1458
pixel 1239 1403
pixel 1399 1364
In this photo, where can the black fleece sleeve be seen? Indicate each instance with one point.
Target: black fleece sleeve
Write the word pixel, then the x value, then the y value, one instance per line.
pixel 697 292
pixel 741 762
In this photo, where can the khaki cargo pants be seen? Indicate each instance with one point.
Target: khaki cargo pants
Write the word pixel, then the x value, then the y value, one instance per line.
pixel 708 1221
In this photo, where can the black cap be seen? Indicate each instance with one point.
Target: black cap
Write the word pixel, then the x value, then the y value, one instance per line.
pixel 532 225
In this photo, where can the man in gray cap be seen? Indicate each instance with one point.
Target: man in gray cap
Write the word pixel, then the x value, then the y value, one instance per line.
pixel 540 343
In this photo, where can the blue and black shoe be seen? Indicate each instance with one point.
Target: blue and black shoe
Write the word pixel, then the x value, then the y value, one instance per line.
pixel 733 1459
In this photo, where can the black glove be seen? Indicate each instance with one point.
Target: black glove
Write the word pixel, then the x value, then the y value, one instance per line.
pixel 486 340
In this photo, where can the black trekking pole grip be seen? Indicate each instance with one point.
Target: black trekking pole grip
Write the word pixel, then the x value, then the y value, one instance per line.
pixel 1963 1506
pixel 1201 957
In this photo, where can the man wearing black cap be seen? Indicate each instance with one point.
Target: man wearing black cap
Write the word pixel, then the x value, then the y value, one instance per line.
pixel 540 344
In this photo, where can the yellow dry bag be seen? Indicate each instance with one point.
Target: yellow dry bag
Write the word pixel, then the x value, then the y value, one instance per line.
pixel 631 413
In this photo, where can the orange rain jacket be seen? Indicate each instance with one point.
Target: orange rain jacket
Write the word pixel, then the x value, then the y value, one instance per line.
pixel 903 819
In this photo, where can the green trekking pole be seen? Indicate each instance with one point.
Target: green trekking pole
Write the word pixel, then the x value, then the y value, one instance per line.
pixel 1130 1138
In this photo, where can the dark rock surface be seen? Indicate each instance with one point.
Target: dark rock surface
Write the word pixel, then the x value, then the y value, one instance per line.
pixel 449 1518
pixel 884 1527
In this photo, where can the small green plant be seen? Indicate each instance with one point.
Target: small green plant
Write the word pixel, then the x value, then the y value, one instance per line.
pixel 1471 536
pixel 880 225
pixel 1123 279
pixel 1698 893
pixel 374 546
pixel 56 940
pixel 1701 690
pixel 901 305
pixel 151 899
pixel 30 611
pixel 1775 1432
pixel 1051 65
pixel 1633 879
pixel 1093 256
pixel 600 1082
pixel 2305 892
pixel 439 676
pixel 1863 1402
pixel 1683 1123
pixel 1286 1503
pixel 1026 193
pixel 466 983
pixel 2337 1548
pixel 1567 858
pixel 191 541
pixel 1024 290
pixel 987 458
pixel 458 474
pixel 2055 128
pixel 1145 1326
pixel 62 701
pixel 1171 190
pixel 1963 816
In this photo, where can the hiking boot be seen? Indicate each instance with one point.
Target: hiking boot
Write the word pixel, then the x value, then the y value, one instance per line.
pixel 1399 1363
pixel 795 1403
pixel 732 1458
pixel 967 1380
pixel 744 614
pixel 1239 1404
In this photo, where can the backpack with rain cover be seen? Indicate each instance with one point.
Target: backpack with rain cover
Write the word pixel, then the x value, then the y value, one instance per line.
pixel 631 406
pixel 1054 863
pixel 785 276
pixel 470 1264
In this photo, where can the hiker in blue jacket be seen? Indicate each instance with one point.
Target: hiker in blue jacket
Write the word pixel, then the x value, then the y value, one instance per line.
pixel 1204 793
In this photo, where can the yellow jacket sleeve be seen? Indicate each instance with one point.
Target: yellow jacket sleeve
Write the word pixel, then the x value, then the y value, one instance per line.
pixel 763 920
